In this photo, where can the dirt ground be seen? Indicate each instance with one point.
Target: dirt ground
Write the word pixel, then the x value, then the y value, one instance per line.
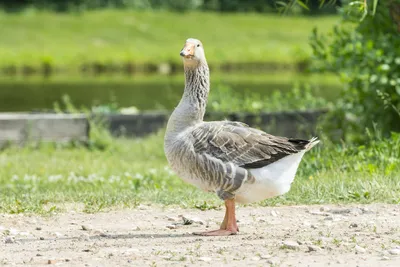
pixel 350 235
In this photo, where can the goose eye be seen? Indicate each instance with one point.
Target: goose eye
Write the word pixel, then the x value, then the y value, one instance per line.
pixel 198 45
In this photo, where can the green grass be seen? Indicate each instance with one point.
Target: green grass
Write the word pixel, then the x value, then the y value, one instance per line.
pixel 65 40
pixel 46 177
pixel 298 98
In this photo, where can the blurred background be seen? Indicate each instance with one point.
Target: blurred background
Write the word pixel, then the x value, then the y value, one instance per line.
pixel 277 65
pixel 109 53
pixel 113 56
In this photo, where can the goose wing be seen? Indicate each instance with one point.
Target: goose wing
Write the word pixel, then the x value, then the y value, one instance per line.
pixel 237 143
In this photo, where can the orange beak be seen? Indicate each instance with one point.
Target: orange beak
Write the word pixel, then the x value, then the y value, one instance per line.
pixel 187 51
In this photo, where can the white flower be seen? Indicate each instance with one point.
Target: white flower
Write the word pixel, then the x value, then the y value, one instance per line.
pixel 54 178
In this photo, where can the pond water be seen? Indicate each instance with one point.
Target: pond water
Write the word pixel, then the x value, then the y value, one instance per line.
pixel 144 92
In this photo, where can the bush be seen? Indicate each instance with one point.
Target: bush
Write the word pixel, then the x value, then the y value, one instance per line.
pixel 366 56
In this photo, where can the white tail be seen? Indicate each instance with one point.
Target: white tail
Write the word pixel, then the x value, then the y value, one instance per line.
pixel 313 142
pixel 274 179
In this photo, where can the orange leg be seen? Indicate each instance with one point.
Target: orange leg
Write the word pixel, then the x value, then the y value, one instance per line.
pixel 225 221
pixel 228 226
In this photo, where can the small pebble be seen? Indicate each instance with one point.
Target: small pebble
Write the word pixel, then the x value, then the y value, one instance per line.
pixel 130 251
pixel 353 225
pixel 256 258
pixel 85 237
pixel 313 248
pixel 51 262
pixel 57 234
pixel 360 249
pixel 273 213
pixel 206 259
pixel 24 234
pixel 14 231
pixel 266 256
pixel 190 220
pixel 273 261
pixel 332 218
pixel 99 232
pixel 356 211
pixel 39 255
pixel 366 210
pixel 85 227
pixel 340 211
pixel 9 240
pixel 41 238
pixel 142 207
pixel 394 251
pixel 291 244
pixel 171 226
pixel 38 228
pixel 316 212
pixel 187 220
pixel 172 219
pixel 385 258
pixel 326 209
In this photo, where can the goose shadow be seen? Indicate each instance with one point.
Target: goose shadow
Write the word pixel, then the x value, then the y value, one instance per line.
pixel 110 236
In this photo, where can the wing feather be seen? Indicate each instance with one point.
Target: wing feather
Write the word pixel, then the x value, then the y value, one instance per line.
pixel 242 145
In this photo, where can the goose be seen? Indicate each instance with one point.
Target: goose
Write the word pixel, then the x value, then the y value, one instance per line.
pixel 239 163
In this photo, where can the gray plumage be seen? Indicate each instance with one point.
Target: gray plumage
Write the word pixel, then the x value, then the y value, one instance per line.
pixel 219 155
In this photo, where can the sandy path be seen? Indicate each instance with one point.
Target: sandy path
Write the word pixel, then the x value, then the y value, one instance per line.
pixel 359 235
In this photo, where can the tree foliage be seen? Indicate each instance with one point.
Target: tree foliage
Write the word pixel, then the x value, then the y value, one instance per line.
pixel 172 5
pixel 364 50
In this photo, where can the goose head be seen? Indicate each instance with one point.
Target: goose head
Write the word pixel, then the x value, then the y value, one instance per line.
pixel 193 52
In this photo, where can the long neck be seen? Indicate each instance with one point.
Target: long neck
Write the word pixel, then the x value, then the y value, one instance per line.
pixel 197 87
pixel 192 106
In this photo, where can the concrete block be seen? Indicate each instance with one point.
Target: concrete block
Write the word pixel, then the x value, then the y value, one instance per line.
pixel 22 127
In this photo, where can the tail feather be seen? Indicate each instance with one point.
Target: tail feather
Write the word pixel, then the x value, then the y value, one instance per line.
pixel 312 142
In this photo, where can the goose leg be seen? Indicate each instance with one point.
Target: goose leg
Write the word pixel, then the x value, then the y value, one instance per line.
pixel 228 226
pixel 225 221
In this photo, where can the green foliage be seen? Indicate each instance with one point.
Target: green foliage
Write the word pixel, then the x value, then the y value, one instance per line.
pixel 174 5
pixel 224 99
pixel 380 156
pixel 366 56
pixel 306 6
